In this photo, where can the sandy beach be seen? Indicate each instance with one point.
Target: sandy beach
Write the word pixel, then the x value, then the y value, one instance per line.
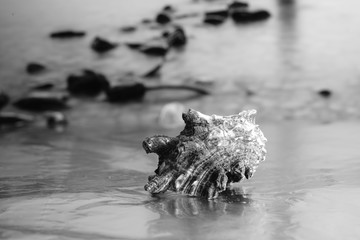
pixel 85 180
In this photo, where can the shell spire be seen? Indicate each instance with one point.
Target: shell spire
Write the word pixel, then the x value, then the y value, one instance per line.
pixel 209 154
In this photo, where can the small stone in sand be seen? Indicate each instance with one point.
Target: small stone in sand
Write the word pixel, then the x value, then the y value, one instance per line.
pixel 4 99
pixel 101 45
pixel 325 93
pixel 90 83
pixel 68 34
pixel 35 68
pixel 43 101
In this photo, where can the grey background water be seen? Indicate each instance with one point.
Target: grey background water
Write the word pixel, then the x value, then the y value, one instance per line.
pixel 87 182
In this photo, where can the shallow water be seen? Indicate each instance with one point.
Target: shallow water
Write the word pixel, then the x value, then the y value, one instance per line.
pixel 87 182
pixel 75 187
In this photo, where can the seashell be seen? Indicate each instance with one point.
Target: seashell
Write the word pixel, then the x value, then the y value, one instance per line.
pixel 209 154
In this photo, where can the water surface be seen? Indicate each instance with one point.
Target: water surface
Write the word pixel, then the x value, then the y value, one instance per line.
pixel 65 186
pixel 87 182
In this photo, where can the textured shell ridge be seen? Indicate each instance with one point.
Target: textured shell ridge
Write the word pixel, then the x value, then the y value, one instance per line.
pixel 208 155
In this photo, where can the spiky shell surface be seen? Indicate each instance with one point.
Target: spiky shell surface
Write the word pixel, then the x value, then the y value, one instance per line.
pixel 209 154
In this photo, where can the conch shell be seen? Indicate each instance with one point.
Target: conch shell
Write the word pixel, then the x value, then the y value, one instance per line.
pixel 209 154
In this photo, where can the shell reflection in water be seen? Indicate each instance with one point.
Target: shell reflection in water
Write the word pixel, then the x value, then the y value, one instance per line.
pixel 232 202
pixel 209 154
pixel 184 217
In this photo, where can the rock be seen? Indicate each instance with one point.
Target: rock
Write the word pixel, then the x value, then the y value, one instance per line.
pixel 249 92
pixel 10 119
pixel 146 21
pixel 170 115
pixel 287 2
pixel 128 29
pixel 159 51
pixel 89 84
pixel 177 38
pixel 43 87
pixel 43 101
pixel 237 5
pixel 101 45
pixel 4 99
pixel 68 34
pixel 219 13
pixel 165 34
pixel 168 8
pixel 163 18
pixel 214 19
pixel 35 68
pixel 125 93
pixel 325 93
pixel 209 154
pixel 186 15
pixel 153 72
pixel 134 45
pixel 55 119
pixel 250 16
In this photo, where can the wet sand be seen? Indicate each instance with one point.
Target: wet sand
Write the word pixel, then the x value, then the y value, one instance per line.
pixel 71 187
pixel 86 182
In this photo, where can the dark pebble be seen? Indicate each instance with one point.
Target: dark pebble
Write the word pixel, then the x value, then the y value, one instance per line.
pixel 128 29
pixel 101 45
pixel 43 87
pixel 249 92
pixel 154 50
pixel 177 38
pixel 153 72
pixel 11 119
pixel 238 5
pixel 68 34
pixel 34 68
pixel 247 16
pixel 220 13
pixel 134 45
pixel 166 34
pixel 89 84
pixel 287 2
pixel 325 93
pixel 126 93
pixel 4 100
pixel 146 21
pixel 168 8
pixel 163 18
pixel 186 15
pixel 214 20
pixel 43 101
